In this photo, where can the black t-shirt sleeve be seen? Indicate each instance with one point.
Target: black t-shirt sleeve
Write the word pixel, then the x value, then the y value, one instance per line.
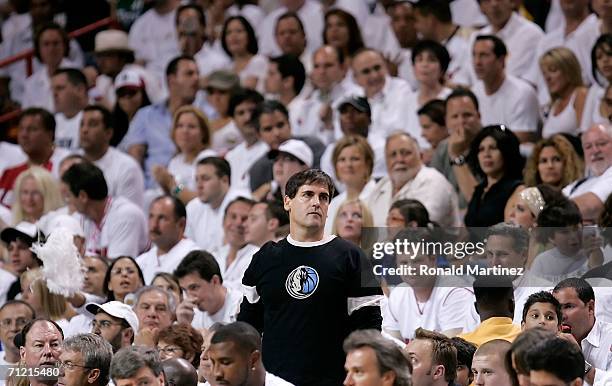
pixel 364 293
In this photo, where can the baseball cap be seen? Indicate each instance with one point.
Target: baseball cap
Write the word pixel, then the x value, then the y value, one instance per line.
pixel 24 230
pixel 131 78
pixel 358 102
pixel 296 148
pixel 222 80
pixel 118 310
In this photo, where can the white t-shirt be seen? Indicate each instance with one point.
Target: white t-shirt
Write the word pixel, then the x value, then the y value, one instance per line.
pixel 205 224
pixel 150 263
pixel 208 60
pixel 253 13
pixel 232 275
pixel 241 158
pixel 226 138
pixel 154 39
pixel 123 231
pixel 554 266
pixel 6 280
pixel 37 90
pixel 591 114
pixel 273 380
pixel 600 186
pixel 377 32
pixel 12 155
pixel 67 131
pixel 514 104
pixel 123 175
pixel 467 13
pixel 257 67
pixel 520 36
pixel 227 313
pixel 183 172
pixel 429 186
pixel 447 308
pixel 80 324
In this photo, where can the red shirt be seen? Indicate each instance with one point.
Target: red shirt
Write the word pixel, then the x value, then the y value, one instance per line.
pixel 7 181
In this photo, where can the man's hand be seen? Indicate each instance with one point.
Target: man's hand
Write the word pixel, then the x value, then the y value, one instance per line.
pixel 458 143
pixel 184 312
pixel 146 337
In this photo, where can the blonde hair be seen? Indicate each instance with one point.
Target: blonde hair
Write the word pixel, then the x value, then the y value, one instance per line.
pixel 53 306
pixel 564 60
pixel 572 164
pixel 362 144
pixel 48 186
pixel 200 117
pixel 367 221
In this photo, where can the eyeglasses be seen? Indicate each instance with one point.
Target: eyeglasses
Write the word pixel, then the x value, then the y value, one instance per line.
pixel 70 366
pixel 169 350
pixel 103 324
pixel 19 322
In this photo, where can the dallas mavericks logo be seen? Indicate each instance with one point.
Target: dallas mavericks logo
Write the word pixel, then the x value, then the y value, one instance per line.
pixel 302 282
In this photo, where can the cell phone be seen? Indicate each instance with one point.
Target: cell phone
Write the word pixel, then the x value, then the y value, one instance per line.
pixel 566 329
pixel 590 230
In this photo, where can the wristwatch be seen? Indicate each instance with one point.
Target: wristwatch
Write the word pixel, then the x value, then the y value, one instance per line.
pixel 177 190
pixel 458 161
pixel 587 367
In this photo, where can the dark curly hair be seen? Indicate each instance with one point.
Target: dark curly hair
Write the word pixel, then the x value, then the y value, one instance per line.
pixel 507 143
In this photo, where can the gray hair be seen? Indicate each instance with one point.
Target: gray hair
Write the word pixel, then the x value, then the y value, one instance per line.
pixel 129 360
pixel 388 355
pixel 400 133
pixel 519 236
pixel 150 288
pixel 96 351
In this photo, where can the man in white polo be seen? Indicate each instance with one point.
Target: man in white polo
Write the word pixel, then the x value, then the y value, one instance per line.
pixel 591 192
pixel 167 219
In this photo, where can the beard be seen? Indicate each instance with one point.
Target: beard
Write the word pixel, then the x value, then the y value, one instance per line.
pixel 115 342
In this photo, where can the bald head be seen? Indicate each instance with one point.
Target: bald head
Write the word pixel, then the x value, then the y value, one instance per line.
pixel 597 146
pixel 369 70
pixel 180 372
pixel 327 68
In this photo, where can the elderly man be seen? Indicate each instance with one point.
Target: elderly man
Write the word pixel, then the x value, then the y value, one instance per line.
pixel 592 191
pixel 155 309
pixel 167 219
pixel 85 361
pixel 40 346
pixel 409 178
pixel 137 365
pixel 369 354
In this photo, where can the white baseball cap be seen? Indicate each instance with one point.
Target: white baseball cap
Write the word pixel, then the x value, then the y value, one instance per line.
pixel 112 40
pixel 296 148
pixel 118 310
pixel 130 78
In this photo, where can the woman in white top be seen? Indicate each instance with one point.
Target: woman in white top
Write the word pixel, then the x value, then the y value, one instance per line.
pixel 37 193
pixel 240 43
pixel 353 160
pixel 191 135
pixel 430 60
pixel 563 76
pixel 597 109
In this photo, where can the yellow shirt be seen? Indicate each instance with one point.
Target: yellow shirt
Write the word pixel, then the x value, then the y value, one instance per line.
pixel 493 328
